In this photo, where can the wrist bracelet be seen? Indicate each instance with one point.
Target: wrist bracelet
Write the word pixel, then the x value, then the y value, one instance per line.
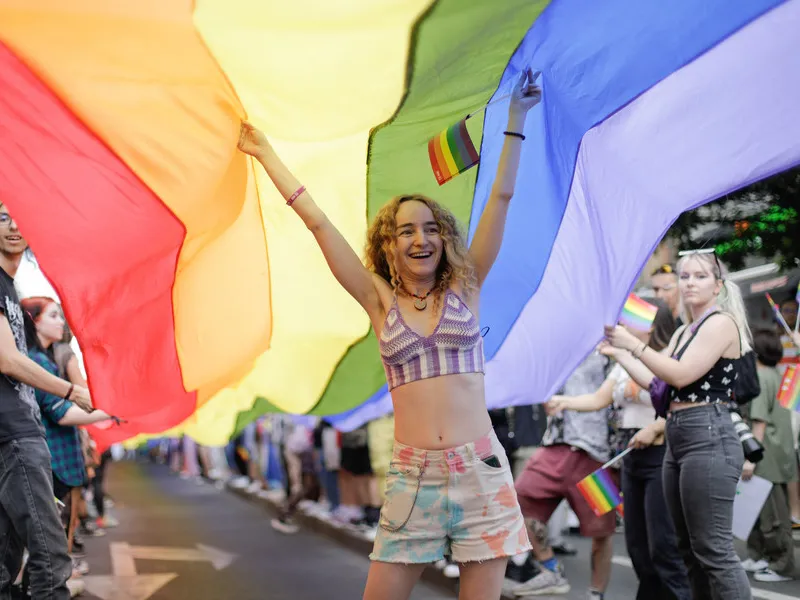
pixel 514 134
pixel 69 392
pixel 640 352
pixel 296 195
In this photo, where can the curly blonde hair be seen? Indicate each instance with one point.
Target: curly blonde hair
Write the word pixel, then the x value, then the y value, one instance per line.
pixel 455 265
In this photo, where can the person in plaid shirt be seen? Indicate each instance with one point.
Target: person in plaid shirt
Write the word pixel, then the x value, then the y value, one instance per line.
pixel 44 327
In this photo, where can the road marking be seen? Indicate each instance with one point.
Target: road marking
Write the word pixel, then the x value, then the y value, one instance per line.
pixel 624 561
pixel 218 558
pixel 122 560
pixel 136 587
pixel 126 584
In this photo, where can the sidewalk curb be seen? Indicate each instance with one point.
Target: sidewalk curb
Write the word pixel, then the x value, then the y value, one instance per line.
pixel 348 539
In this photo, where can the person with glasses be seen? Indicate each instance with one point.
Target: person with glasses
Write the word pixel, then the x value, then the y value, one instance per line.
pixel 704 457
pixel 664 281
pixel 29 516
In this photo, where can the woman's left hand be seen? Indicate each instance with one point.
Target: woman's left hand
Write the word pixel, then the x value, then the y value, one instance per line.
pixel 526 93
pixel 747 470
pixel 619 337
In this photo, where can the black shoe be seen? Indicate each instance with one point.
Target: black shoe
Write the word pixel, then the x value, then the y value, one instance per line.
pixel 565 549
pixel 527 571
pixel 78 548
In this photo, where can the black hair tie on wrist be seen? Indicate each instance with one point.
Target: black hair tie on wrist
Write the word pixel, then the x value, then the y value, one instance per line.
pixel 69 393
pixel 514 134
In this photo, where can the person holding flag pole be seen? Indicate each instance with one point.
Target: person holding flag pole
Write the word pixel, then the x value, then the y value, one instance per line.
pixel 649 537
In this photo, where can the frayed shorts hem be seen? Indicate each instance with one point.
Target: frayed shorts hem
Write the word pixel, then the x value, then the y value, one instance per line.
pixel 479 559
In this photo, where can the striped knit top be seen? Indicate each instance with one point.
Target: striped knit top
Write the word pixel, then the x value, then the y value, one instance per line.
pixel 455 346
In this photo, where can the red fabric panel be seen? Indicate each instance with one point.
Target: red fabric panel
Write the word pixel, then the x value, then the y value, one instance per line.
pixel 106 243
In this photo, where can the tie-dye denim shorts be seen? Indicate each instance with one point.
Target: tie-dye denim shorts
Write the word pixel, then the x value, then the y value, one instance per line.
pixel 459 502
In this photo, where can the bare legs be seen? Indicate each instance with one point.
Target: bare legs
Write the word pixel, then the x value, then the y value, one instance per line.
pixel 479 580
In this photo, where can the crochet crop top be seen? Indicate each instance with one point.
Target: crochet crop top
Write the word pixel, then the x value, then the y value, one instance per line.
pixel 455 346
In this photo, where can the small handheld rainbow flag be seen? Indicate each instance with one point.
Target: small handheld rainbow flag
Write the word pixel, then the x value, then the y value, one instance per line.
pixel 789 394
pixel 600 492
pixel 776 309
pixel 452 152
pixel 638 314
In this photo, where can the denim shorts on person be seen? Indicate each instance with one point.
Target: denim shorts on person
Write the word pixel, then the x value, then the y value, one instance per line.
pixel 458 502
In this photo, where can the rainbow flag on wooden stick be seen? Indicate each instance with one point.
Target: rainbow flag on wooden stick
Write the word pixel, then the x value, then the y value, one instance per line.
pixel 638 314
pixel 452 152
pixel 789 394
pixel 776 309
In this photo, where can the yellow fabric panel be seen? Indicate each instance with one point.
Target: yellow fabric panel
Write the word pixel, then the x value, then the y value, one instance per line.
pixel 316 76
pixel 141 78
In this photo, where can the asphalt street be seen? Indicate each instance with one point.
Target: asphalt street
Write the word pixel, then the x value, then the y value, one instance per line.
pixel 186 539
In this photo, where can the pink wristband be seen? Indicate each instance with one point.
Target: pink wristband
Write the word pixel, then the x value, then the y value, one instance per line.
pixel 296 195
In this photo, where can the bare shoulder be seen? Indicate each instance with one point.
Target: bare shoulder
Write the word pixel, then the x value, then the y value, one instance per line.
pixel 721 331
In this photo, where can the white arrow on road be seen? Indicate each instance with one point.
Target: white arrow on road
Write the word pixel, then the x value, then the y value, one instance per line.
pixel 218 558
pixel 127 584
pixel 133 587
pixel 123 555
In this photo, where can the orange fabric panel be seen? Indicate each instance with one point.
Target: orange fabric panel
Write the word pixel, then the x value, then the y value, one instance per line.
pixel 139 76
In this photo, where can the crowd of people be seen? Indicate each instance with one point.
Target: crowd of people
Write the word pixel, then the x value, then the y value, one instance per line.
pixel 305 464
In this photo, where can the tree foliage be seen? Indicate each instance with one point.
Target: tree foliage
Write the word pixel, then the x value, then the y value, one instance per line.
pixel 762 219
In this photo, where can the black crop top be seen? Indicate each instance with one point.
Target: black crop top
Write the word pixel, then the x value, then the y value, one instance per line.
pixel 717 385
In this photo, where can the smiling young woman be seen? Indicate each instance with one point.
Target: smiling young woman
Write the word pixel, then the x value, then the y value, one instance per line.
pixel 420 288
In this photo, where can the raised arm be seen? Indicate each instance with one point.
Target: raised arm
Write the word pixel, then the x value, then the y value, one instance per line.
pixel 340 256
pixel 489 233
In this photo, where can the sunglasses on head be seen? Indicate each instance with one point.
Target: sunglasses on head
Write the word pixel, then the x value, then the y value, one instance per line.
pixel 713 251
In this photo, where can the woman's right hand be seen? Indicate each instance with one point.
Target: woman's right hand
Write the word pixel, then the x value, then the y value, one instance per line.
pixel 252 141
pixel 556 404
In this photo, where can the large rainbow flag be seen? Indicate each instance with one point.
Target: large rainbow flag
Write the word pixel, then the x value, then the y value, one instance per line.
pixel 200 300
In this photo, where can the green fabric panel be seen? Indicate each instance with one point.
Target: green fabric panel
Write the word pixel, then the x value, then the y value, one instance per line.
pixel 261 406
pixel 462 48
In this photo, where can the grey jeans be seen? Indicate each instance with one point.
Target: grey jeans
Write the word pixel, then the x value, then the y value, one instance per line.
pixel 29 519
pixel 702 467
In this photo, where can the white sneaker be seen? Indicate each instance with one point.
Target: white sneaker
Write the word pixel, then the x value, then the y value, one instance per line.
pixel 370 533
pixel 284 526
pixel 753 566
pixel 76 587
pixel 254 487
pixel 545 583
pixel 452 571
pixel 109 522
pixel 770 576
pixel 239 483
pixel 81 566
